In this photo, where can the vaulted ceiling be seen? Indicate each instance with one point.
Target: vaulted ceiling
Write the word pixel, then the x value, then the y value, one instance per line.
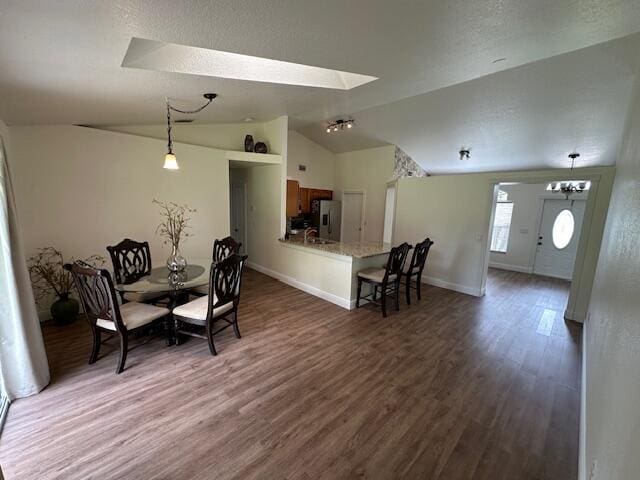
pixel 564 85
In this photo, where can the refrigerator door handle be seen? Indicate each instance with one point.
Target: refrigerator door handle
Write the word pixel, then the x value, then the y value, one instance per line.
pixel 329 222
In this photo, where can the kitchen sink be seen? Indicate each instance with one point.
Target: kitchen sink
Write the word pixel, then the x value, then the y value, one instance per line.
pixel 318 241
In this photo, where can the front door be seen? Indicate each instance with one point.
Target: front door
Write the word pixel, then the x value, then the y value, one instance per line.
pixel 352 217
pixel 558 237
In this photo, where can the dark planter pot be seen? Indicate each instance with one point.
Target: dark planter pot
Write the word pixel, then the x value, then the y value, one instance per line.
pixel 64 310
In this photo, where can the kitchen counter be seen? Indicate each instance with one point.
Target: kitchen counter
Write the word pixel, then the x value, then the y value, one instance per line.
pixel 354 249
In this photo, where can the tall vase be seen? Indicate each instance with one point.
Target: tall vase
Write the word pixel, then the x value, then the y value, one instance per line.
pixel 176 262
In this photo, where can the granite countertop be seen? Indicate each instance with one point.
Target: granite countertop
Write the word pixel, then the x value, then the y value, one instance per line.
pixel 355 249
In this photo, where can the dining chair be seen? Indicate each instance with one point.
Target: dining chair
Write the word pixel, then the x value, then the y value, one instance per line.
pixel 103 313
pixel 415 268
pixel 221 304
pixel 222 249
pixel 131 261
pixel 387 279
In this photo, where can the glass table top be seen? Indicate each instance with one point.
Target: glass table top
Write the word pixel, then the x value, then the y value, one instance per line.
pixel 162 280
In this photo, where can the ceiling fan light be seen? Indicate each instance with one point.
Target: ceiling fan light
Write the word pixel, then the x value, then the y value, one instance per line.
pixel 170 162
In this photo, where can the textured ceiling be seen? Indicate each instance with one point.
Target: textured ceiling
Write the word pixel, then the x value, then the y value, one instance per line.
pixel 61 61
pixel 528 117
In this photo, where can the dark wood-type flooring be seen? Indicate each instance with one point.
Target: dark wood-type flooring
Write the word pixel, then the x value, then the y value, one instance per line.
pixel 452 387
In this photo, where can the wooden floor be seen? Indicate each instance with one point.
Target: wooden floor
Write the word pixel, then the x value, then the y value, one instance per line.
pixel 453 387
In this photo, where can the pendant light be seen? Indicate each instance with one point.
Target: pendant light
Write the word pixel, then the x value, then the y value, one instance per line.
pixel 170 160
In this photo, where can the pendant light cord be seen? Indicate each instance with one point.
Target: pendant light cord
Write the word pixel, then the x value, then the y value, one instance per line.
pixel 209 96
pixel 190 112
pixel 169 142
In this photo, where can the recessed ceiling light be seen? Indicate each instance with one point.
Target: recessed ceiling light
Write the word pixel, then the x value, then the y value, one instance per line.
pixel 171 57
pixel 248 119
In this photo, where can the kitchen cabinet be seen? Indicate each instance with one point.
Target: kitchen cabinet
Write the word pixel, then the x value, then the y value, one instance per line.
pixel 305 200
pixel 293 198
pixel 317 194
pixel 299 199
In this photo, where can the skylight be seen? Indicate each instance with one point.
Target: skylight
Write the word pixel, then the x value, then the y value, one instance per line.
pixel 171 57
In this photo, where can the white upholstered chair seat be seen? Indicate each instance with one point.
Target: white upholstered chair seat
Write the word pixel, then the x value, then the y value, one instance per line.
pixel 142 296
pixel 197 309
pixel 375 274
pixel 135 315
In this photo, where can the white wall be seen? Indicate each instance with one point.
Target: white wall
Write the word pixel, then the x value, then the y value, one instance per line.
pixel 610 434
pixel 81 189
pixel 454 210
pixel 367 170
pixel 527 201
pixel 320 162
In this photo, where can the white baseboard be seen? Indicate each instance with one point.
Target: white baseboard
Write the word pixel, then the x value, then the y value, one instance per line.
pixel 573 316
pixel 437 282
pixel 329 297
pixel 513 268
pixel 582 438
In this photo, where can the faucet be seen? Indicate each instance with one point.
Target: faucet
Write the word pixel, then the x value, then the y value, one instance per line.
pixel 307 231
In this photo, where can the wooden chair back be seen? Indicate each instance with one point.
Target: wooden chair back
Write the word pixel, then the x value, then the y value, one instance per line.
pixel 131 260
pixel 419 257
pixel 223 249
pixel 224 282
pixel 97 294
pixel 396 260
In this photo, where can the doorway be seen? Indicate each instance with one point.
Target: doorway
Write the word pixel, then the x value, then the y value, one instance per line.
pixel 558 237
pixel 238 209
pixel 352 216
pixel 521 213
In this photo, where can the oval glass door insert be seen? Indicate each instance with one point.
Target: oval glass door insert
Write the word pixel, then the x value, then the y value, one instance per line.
pixel 563 227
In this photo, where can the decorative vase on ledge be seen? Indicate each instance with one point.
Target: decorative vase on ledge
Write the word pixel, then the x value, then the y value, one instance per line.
pixel 248 143
pixel 176 262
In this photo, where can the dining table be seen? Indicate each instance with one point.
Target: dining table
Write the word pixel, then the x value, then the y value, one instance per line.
pixel 175 284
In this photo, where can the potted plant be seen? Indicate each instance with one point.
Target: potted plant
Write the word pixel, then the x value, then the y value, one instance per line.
pixel 173 229
pixel 48 277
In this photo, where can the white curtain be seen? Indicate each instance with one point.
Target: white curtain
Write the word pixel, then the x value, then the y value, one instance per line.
pixel 23 360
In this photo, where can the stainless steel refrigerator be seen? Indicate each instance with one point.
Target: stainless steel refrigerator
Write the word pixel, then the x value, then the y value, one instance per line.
pixel 329 221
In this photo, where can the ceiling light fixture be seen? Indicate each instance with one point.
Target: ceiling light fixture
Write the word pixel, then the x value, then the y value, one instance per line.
pixel 170 160
pixel 465 153
pixel 570 187
pixel 340 124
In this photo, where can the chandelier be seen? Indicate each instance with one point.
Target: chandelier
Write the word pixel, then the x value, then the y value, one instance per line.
pixel 170 160
pixel 340 124
pixel 569 187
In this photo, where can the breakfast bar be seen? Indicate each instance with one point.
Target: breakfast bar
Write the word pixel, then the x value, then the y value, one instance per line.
pixel 329 269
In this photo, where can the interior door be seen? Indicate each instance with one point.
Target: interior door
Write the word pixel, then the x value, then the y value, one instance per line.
pixel 558 237
pixel 238 212
pixel 352 217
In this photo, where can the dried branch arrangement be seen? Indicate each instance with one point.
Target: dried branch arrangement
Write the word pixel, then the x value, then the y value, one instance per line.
pixel 176 222
pixel 48 276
